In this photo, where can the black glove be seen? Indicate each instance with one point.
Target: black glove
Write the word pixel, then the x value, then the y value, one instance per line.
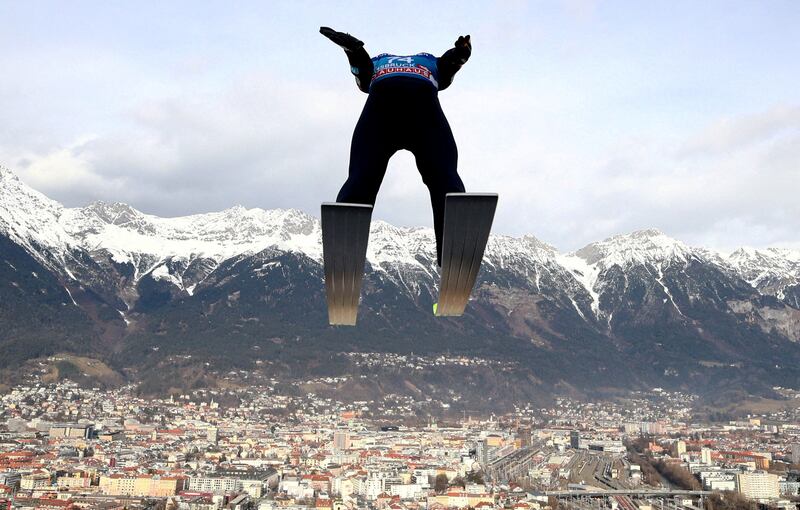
pixel 463 48
pixel 346 41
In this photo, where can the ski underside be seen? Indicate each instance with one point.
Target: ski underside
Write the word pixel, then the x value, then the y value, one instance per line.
pixel 467 222
pixel 345 232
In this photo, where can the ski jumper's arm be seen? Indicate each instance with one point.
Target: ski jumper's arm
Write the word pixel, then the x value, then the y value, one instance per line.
pixel 452 60
pixel 360 64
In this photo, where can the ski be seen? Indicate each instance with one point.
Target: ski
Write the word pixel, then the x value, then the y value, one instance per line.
pixel 467 222
pixel 345 232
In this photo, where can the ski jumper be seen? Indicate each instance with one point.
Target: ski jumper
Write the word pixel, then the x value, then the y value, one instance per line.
pixel 403 112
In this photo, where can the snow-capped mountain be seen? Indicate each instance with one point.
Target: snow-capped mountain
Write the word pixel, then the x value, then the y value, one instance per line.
pixel 649 250
pixel 122 230
pixel 30 219
pixel 147 284
pixel 164 248
pixel 773 271
pixel 149 244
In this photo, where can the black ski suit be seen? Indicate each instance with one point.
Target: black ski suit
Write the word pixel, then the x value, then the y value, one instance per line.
pixel 403 112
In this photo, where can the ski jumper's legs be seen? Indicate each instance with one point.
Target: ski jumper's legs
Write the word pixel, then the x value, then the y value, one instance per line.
pixel 374 142
pixel 403 113
pixel 436 153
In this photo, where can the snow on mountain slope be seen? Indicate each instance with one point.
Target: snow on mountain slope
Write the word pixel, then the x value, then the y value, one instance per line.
pixel 408 256
pixel 650 248
pixel 184 250
pixel 505 251
pixel 52 233
pixel 123 231
pixel 30 219
pixel 149 242
pixel 770 271
pixel 390 246
pixel 641 247
pixel 586 274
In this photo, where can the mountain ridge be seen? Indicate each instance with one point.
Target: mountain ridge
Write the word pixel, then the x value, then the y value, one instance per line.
pixel 646 245
pixel 152 288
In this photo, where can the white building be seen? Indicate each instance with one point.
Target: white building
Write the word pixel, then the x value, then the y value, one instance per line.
pixel 718 480
pixel 406 490
pixel 759 485
pixel 214 485
pixel 295 487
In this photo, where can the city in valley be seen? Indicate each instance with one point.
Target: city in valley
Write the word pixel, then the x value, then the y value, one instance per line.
pixel 271 446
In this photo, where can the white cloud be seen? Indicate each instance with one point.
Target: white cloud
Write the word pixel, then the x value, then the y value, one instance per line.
pixel 265 142
pixel 568 170
pixel 740 132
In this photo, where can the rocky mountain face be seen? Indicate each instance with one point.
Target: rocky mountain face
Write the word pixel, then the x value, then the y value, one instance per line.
pixel 243 288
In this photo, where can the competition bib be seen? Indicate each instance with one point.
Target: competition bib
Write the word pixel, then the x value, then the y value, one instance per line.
pixel 421 65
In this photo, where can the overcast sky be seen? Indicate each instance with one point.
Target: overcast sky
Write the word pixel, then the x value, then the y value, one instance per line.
pixel 589 118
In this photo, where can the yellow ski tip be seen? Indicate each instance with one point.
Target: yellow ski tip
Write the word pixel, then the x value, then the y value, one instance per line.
pixel 435 307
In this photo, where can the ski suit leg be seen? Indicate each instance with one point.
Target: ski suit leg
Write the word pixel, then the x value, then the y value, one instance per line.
pixel 437 160
pixel 370 151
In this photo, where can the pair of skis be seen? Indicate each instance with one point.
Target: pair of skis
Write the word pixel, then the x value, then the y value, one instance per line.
pixel 345 232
